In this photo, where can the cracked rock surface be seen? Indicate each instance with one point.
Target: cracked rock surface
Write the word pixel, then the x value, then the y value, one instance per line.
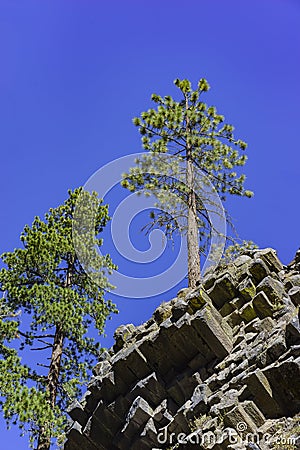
pixel 217 367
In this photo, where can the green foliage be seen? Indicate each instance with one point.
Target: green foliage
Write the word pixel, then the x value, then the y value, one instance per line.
pixel 237 249
pixel 47 290
pixel 189 129
pixel 27 406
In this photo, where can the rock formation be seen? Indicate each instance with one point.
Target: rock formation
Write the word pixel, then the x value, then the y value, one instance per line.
pixel 217 367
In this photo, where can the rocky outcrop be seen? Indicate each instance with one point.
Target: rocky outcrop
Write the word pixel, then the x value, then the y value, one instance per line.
pixel 217 367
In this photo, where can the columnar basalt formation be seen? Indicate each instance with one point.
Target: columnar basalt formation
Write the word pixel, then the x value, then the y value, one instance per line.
pixel 216 367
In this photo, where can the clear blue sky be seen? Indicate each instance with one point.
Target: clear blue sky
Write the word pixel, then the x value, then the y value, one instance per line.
pixel 74 73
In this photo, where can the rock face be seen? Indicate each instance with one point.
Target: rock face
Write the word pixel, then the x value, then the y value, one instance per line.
pixel 217 367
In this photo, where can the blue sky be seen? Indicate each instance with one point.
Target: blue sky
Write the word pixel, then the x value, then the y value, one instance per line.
pixel 73 74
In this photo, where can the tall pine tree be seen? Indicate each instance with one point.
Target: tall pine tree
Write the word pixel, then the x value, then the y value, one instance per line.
pixel 199 137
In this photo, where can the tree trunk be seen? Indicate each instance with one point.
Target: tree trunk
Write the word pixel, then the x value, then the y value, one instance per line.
pixel 44 441
pixel 192 225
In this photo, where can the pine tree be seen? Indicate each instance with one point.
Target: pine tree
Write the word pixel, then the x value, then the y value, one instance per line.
pixel 19 402
pixel 50 303
pixel 199 137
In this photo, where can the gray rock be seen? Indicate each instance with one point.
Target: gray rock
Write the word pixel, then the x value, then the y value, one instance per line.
pixel 121 335
pixel 162 313
pixel 237 416
pixel 247 289
pixel 223 290
pixel 199 401
pixel 292 280
pixel 212 332
pixel 292 331
pixel 215 359
pixel 284 380
pixel 179 309
pixel 138 415
pixel 262 305
pixel 268 255
pixel 273 290
pixel 261 391
pixel 77 413
pixel 258 270
pixel 294 294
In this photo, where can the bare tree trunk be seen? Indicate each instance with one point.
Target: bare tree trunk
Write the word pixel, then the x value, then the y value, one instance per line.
pixel 192 231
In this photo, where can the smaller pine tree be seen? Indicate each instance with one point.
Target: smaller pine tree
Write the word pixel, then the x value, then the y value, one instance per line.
pixel 49 305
